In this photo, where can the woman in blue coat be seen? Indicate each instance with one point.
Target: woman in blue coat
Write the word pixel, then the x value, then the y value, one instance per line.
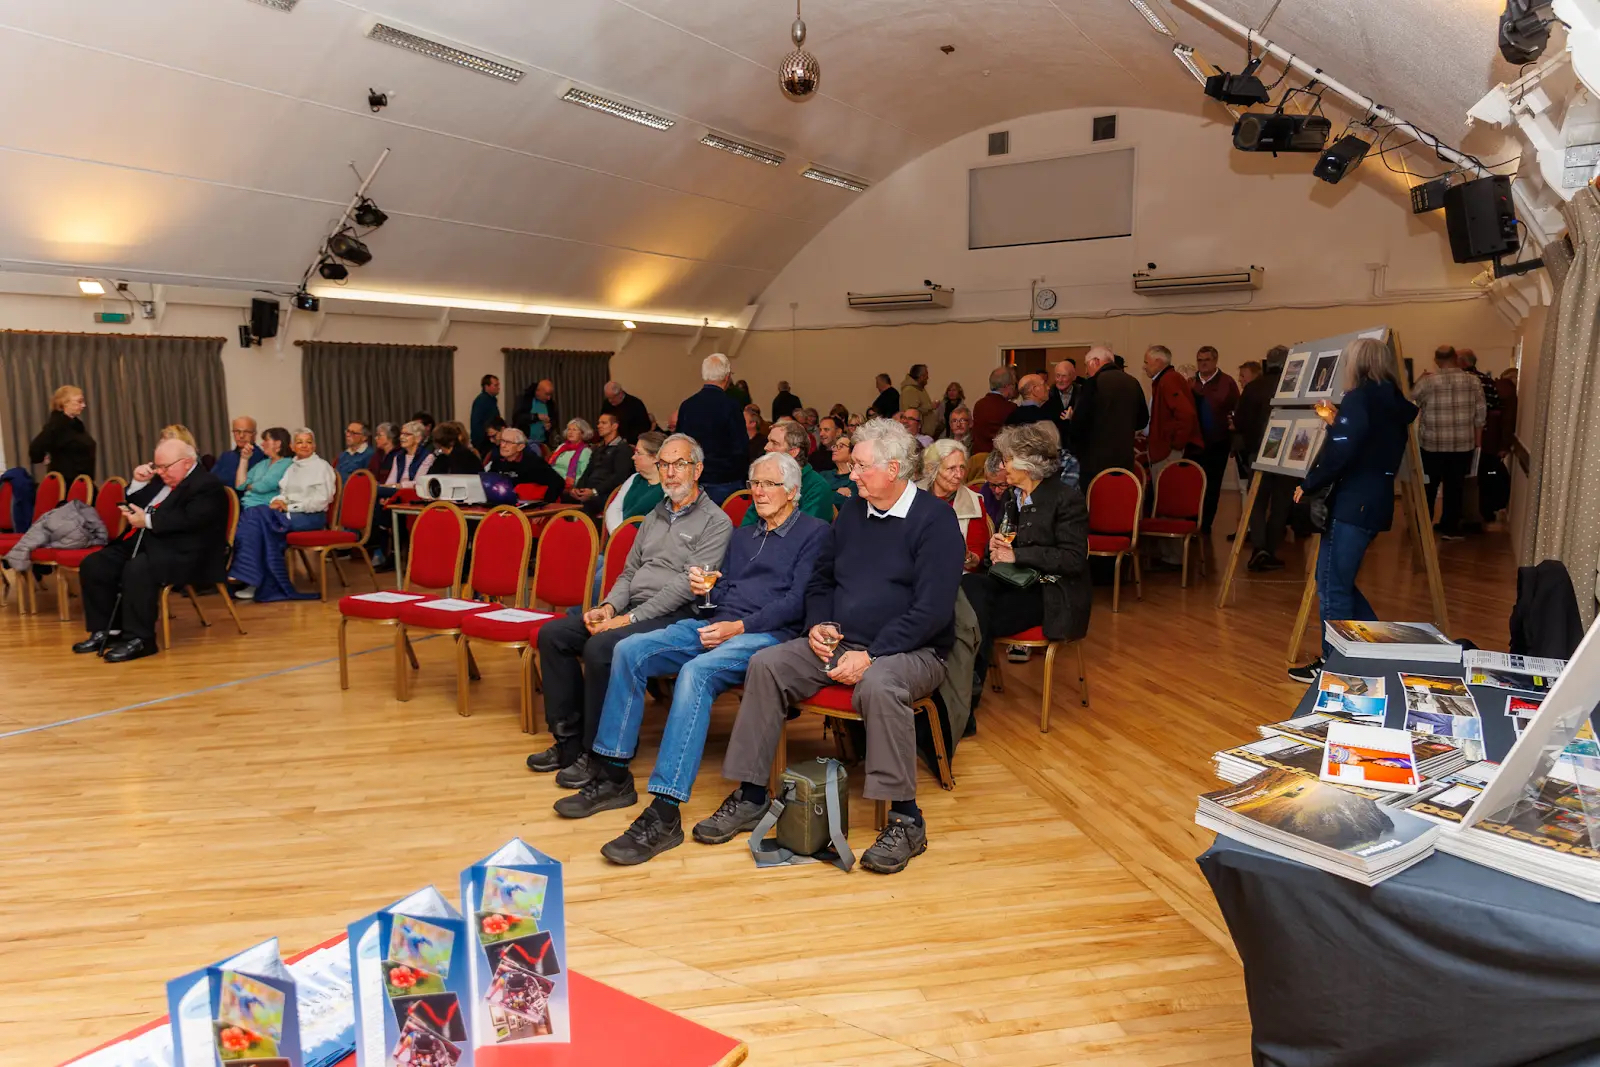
pixel 1359 459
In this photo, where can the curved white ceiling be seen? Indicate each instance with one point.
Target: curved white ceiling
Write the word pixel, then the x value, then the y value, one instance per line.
pixel 211 140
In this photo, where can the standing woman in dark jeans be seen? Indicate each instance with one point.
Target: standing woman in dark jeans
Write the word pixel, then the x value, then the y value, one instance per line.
pixel 1359 459
pixel 63 440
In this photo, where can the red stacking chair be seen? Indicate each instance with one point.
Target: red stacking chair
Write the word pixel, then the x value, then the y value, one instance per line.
pixel 438 545
pixel 500 549
pixel 66 561
pixel 5 507
pixel 349 526
pixel 222 587
pixel 1115 499
pixel 50 493
pixel 82 489
pixel 1035 638
pixel 1180 493
pixel 736 505
pixel 618 545
pixel 563 572
pixel 838 702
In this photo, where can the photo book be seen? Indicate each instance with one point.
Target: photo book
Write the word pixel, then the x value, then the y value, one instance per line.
pixel 517 957
pixel 1370 756
pixel 1391 640
pixel 412 983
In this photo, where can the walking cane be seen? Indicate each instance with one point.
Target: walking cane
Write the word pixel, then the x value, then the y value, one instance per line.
pixel 116 605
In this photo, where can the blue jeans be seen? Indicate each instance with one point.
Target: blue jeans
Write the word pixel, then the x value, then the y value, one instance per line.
pixel 702 674
pixel 1337 565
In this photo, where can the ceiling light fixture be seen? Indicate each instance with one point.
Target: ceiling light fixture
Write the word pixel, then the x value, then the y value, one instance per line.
pixel 629 324
pixel 1151 17
pixel 742 148
pixel 90 287
pixel 414 42
pixel 328 292
pixel 333 270
pixel 799 74
pixel 828 177
pixel 350 249
pixel 1185 54
pixel 368 216
pixel 617 109
pixel 281 5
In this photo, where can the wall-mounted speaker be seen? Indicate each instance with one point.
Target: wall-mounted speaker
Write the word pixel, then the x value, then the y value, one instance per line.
pixel 264 317
pixel 1481 219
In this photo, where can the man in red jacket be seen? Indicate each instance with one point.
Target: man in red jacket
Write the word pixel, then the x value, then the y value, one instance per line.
pixel 1174 427
pixel 989 414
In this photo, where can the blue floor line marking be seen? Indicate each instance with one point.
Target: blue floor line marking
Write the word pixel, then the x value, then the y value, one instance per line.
pixel 197 692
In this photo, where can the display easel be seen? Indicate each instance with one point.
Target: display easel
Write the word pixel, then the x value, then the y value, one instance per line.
pixel 1413 499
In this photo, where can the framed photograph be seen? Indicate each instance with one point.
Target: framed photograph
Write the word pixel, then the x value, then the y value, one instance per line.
pixel 1294 372
pixel 1322 379
pixel 1301 444
pixel 1273 440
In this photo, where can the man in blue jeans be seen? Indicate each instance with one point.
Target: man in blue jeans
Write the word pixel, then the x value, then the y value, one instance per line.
pixel 758 600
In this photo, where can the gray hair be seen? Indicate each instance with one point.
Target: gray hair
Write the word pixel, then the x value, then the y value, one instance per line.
pixel 961 409
pixel 891 443
pixel 794 435
pixel 304 431
pixel 715 368
pixel 1161 352
pixel 994 463
pixel 389 430
pixel 1033 448
pixel 414 428
pixel 650 441
pixel 583 427
pixel 933 458
pixel 788 469
pixel 696 453
pixel 1367 359
pixel 513 436
pixel 1001 377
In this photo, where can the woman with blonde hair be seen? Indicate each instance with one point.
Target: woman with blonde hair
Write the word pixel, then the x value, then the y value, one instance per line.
pixel 944 474
pixel 64 445
pixel 938 424
pixel 179 432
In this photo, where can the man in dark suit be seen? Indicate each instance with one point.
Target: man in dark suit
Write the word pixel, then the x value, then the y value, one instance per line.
pixel 1063 397
pixel 1111 409
pixel 177 534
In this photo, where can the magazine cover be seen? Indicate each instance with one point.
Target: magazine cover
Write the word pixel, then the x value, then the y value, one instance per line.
pixel 1370 756
pixel 1443 707
pixel 1353 695
pixel 1387 633
pixel 518 958
pixel 1560 817
pixel 411 983
pixel 1320 813
pixel 1281 753
pixel 1451 803
pixel 1505 671
pixel 241 1011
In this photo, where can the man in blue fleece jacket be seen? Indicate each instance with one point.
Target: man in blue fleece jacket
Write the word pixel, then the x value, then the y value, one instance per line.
pixel 887 592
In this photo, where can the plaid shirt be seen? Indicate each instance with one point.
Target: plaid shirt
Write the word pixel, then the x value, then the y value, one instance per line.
pixel 1452 409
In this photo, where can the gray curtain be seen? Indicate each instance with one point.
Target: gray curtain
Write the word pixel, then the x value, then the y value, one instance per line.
pixel 133 385
pixel 346 383
pixel 579 378
pixel 1563 516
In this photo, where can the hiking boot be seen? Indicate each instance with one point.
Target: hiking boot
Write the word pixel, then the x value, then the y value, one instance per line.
pixel 1308 673
pixel 899 841
pixel 575 776
pixel 646 838
pixel 729 821
pixel 598 794
pixel 547 761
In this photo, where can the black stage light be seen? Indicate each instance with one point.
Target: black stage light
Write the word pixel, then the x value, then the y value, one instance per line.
pixel 349 249
pixel 1277 132
pixel 1341 158
pixel 1243 89
pixel 333 271
pixel 367 215
pixel 1524 30
pixel 304 301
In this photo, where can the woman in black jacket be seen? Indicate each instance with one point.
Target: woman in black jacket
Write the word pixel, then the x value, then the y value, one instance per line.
pixel 451 452
pixel 1051 537
pixel 1358 460
pixel 64 441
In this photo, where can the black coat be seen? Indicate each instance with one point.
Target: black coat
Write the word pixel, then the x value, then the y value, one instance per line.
pixel 784 405
pixel 1361 455
pixel 1111 409
pixel 459 460
pixel 188 535
pixel 531 469
pixel 1053 538
pixel 609 466
pixel 888 403
pixel 67 443
pixel 522 414
pixel 632 417
pixel 1254 410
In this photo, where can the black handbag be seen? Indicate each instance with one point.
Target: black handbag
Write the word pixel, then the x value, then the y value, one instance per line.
pixel 1316 504
pixel 1014 575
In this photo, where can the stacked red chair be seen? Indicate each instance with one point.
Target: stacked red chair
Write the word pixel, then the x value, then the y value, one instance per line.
pixel 82 489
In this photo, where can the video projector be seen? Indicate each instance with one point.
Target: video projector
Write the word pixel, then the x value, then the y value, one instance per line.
pixel 459 488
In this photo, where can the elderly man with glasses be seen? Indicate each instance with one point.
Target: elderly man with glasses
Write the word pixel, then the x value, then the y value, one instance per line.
pixel 817 497
pixel 686 530
pixel 757 601
pixel 244 450
pixel 357 452
pixel 880 616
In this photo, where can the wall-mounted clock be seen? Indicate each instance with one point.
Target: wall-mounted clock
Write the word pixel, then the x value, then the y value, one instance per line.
pixel 1044 299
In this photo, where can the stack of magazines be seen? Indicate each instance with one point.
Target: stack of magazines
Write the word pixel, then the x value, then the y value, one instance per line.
pixel 1330 827
pixel 1551 837
pixel 1391 640
pixel 1448 800
pixel 1435 757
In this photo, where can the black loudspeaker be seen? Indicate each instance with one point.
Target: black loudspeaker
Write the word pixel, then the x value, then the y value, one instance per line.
pixel 264 317
pixel 1481 219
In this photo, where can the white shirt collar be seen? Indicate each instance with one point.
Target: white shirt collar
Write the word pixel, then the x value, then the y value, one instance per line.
pixel 900 508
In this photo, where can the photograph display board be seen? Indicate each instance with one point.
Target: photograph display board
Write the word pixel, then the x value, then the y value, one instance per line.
pixel 1313 371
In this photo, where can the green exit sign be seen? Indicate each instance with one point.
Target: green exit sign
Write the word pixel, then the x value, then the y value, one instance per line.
pixel 113 317
pixel 1046 325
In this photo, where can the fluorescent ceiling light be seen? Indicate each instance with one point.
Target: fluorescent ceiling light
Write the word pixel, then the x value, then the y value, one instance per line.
pixel 1185 54
pixel 448 53
pixel 281 5
pixel 1150 16
pixel 617 109
pixel 742 148
pixel 828 177
pixel 339 292
pixel 90 287
pixel 629 324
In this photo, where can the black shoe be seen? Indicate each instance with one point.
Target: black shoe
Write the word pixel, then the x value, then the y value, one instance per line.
pixel 578 773
pixel 1308 673
pixel 545 762
pixel 901 840
pixel 729 821
pixel 129 648
pixel 1264 561
pixel 94 643
pixel 598 794
pixel 649 836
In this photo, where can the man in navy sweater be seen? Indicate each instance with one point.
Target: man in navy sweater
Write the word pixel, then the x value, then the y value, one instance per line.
pixel 716 420
pixel 886 595
pixel 758 600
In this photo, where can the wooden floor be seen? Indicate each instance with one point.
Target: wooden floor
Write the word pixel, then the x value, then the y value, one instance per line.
pixel 162 814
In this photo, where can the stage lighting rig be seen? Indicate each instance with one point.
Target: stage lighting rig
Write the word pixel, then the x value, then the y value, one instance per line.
pixel 368 216
pixel 1343 156
pixel 1243 89
pixel 1258 131
pixel 1525 30
pixel 346 246
pixel 332 270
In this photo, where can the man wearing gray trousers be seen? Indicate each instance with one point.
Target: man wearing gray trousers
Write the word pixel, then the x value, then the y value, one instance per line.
pixel 880 617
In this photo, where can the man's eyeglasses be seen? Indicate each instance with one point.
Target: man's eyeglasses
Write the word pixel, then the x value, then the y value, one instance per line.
pixel 668 466
pixel 244 433
pixel 857 465
pixel 763 484
pixel 160 467
pixel 354 433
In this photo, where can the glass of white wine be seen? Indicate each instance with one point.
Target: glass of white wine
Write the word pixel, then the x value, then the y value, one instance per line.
pixel 709 577
pixel 830 634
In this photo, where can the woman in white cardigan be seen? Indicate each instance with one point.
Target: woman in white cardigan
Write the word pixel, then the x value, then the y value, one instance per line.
pixel 308 487
pixel 944 474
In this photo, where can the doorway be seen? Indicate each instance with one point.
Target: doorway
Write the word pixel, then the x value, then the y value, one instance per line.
pixel 1040 360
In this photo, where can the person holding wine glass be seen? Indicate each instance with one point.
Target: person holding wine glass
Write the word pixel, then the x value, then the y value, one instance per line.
pixel 1037 571
pixel 880 616
pixel 759 602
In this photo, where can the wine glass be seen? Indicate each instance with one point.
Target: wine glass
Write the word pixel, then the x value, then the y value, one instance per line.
pixel 832 633
pixel 710 578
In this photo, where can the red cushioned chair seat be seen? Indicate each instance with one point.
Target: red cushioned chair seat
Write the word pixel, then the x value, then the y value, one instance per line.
pixel 833 697
pixel 9 541
pixel 1109 543
pixel 321 538
pixel 478 628
pixel 64 557
pixel 1169 526
pixel 422 614
pixel 356 608
pixel 1035 634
